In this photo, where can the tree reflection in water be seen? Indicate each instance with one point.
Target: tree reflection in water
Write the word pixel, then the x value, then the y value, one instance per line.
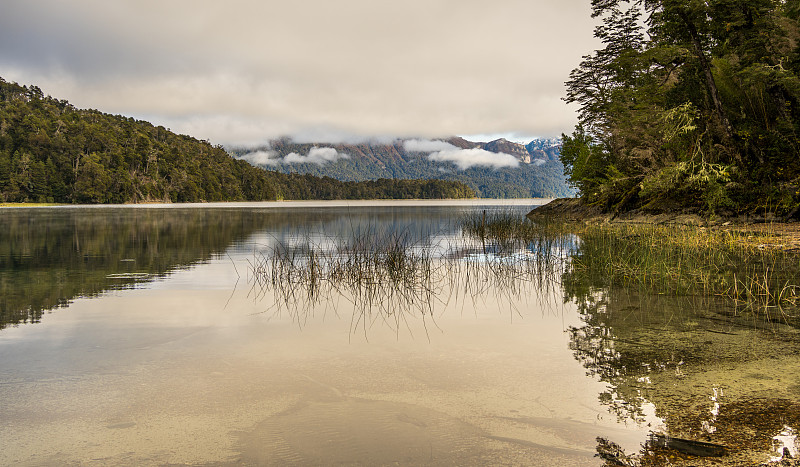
pixel 710 382
pixel 48 257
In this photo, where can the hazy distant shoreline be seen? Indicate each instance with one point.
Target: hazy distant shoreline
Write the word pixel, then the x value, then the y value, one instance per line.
pixel 303 203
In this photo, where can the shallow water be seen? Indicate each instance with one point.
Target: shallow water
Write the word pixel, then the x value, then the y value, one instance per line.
pixel 138 336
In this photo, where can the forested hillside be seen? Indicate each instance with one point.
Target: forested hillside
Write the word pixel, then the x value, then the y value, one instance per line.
pixel 689 105
pixel 544 177
pixel 305 186
pixel 51 151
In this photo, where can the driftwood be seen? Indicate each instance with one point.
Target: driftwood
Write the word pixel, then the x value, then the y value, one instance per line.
pixel 686 446
pixel 614 455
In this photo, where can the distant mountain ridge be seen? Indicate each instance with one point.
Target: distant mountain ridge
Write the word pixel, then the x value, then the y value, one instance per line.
pixel 496 169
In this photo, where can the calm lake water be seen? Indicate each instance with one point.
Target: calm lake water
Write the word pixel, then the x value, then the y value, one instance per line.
pixel 143 336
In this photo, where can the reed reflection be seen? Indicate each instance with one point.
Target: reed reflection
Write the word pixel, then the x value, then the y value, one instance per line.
pixel 394 276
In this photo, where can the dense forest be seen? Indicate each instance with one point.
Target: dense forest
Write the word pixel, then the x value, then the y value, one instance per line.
pixel 306 186
pixel 373 161
pixel 52 152
pixel 689 105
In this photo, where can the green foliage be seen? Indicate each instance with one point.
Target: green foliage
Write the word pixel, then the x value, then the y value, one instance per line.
pixel 92 181
pixel 305 186
pixel 704 113
pixel 704 182
pixel 585 163
pixel 50 151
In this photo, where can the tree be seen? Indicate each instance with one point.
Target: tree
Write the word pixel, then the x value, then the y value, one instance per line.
pixel 704 110
pixel 91 181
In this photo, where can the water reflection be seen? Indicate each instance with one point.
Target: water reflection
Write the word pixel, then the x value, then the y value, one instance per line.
pixel 511 336
pixel 49 257
pixel 785 445
pixel 184 370
pixel 714 386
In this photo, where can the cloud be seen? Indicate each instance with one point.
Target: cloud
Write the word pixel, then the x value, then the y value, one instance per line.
pixel 467 158
pixel 320 156
pixel 305 67
pixel 261 158
pixel 424 145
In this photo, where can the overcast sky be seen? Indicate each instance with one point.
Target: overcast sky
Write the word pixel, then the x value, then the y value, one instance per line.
pixel 242 72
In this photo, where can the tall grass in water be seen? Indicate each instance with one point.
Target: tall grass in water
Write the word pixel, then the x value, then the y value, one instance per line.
pixel 736 264
pixel 384 275
pixel 690 260
pixel 507 230
pixel 389 277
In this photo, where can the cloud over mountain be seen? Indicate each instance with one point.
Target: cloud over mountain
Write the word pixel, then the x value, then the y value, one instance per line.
pixel 319 156
pixel 467 158
pixel 260 158
pixel 425 145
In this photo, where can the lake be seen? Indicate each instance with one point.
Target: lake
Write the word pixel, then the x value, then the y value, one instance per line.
pixel 156 335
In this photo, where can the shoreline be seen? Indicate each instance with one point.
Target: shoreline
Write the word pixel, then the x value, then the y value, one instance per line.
pixel 572 210
pixel 302 203
pixel 766 232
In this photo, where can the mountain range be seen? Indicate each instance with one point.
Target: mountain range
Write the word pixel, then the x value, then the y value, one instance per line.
pixel 497 169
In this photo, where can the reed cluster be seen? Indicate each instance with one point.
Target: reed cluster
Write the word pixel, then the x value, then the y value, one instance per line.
pixel 690 260
pixel 389 277
pixel 508 230
pixel 745 266
pixel 384 275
